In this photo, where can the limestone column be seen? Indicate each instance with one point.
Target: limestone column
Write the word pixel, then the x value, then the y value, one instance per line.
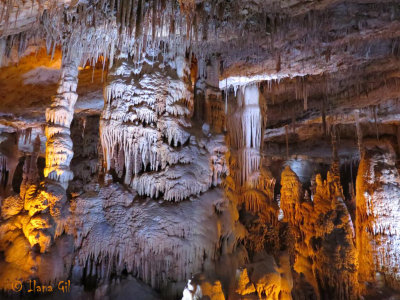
pixel 43 227
pixel 59 117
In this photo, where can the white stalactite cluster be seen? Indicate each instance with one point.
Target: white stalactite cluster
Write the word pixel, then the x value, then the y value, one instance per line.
pixel 245 133
pixel 144 131
pixel 248 182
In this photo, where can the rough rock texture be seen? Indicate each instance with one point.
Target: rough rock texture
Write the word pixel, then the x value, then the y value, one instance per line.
pixel 193 140
pixel 200 288
pixel 265 278
pixel 378 190
pixel 323 247
pixel 59 117
pixel 116 233
pixel 144 131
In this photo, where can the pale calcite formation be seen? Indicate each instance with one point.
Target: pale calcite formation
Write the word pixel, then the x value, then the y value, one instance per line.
pixel 248 180
pixel 145 131
pixel 115 233
pixel 249 184
pixel 148 144
pixel 378 214
pixel 59 116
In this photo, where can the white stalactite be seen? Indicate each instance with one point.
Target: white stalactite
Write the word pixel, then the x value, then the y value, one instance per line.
pixel 246 131
pixel 359 131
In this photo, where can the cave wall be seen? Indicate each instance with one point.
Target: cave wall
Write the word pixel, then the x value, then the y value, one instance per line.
pixel 205 148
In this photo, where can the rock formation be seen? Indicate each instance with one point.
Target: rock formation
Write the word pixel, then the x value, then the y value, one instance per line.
pixel 160 149
pixel 322 236
pixel 377 213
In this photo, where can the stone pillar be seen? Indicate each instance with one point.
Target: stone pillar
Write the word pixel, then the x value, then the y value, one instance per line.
pixel 59 117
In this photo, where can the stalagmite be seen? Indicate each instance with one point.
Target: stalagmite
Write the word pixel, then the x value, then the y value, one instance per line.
pixel 322 231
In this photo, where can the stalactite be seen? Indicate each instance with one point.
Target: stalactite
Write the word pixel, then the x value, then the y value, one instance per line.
pixel 25 135
pixel 215 112
pixel 301 90
pixel 246 130
pixel 359 131
pixel 249 184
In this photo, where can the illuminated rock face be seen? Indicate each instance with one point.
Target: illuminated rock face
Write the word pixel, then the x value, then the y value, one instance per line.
pixel 28 229
pixel 176 176
pixel 378 211
pixel 322 232
pixel 265 278
pixel 199 288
